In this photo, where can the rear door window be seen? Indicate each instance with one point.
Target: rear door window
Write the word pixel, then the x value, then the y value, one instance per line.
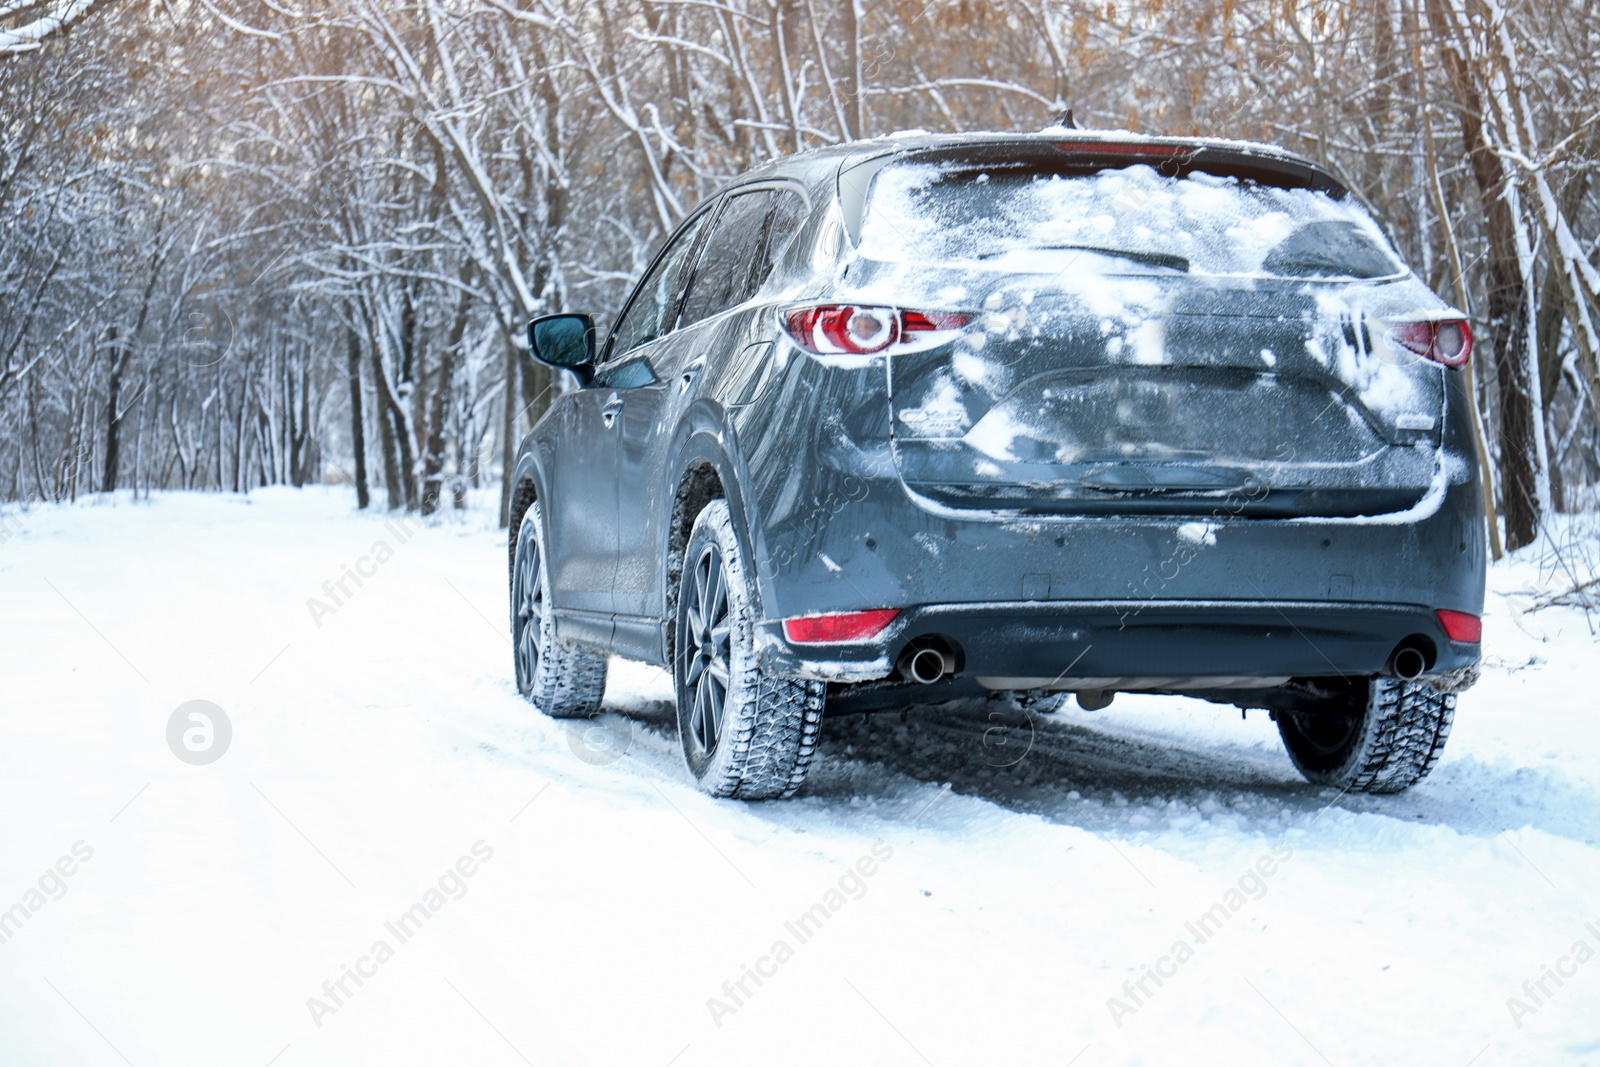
pixel 730 271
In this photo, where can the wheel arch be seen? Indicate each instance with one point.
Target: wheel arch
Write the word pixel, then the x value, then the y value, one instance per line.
pixel 703 470
pixel 527 486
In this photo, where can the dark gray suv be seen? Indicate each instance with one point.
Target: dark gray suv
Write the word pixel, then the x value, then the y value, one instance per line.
pixel 932 417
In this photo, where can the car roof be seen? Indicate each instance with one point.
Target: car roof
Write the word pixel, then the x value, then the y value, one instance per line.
pixel 1113 147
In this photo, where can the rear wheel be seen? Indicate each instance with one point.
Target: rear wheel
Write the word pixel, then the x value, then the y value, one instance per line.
pixel 745 734
pixel 1384 738
pixel 560 679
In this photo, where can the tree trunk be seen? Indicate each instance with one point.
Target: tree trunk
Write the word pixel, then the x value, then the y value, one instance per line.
pixel 119 361
pixel 786 14
pixel 222 429
pixel 301 440
pixel 241 471
pixel 439 405
pixel 508 430
pixel 138 445
pixel 358 429
pixel 391 466
pixel 1508 303
pixel 398 459
pixel 855 105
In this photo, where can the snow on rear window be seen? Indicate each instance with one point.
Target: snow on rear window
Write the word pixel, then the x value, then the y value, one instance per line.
pixel 1130 220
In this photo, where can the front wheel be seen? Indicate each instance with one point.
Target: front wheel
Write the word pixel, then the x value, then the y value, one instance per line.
pixel 1384 739
pixel 745 734
pixel 561 679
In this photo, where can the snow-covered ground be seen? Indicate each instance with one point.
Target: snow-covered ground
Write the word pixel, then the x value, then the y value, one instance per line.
pixel 960 888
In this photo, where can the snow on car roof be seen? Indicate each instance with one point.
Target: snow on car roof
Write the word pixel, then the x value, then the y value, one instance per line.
pixel 829 160
pixel 1061 135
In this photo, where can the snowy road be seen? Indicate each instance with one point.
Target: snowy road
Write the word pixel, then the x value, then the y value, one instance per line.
pixel 396 861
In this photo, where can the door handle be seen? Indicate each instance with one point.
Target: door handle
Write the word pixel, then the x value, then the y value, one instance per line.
pixel 692 372
pixel 608 414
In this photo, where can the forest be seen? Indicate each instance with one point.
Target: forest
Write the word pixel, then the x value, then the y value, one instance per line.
pixel 255 242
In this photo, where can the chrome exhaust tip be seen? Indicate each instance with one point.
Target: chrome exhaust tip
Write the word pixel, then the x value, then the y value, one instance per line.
pixel 928 659
pixel 1407 663
pixel 927 665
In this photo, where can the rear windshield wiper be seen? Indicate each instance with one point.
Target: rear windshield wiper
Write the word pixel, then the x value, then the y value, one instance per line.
pixel 1155 259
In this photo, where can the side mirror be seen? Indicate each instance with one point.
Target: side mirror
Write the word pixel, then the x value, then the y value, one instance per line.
pixel 565 342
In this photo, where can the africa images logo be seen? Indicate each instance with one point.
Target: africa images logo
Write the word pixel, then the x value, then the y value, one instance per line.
pixel 199 732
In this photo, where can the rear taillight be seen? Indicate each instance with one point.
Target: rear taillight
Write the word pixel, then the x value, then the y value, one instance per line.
pixel 846 626
pixel 1448 342
pixel 1460 626
pixel 857 330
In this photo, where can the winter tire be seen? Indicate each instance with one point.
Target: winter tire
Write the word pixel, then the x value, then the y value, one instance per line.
pixel 745 734
pixel 1386 744
pixel 559 678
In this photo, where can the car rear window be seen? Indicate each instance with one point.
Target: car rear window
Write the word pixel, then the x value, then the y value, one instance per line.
pixel 1125 220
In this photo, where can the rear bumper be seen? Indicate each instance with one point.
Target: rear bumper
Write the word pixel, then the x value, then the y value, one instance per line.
pixel 841 531
pixel 1137 644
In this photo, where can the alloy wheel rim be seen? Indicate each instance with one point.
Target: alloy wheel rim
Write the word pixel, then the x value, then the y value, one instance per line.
pixel 707 647
pixel 530 612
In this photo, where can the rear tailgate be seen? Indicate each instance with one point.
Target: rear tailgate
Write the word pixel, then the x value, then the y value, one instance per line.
pixel 1175 396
